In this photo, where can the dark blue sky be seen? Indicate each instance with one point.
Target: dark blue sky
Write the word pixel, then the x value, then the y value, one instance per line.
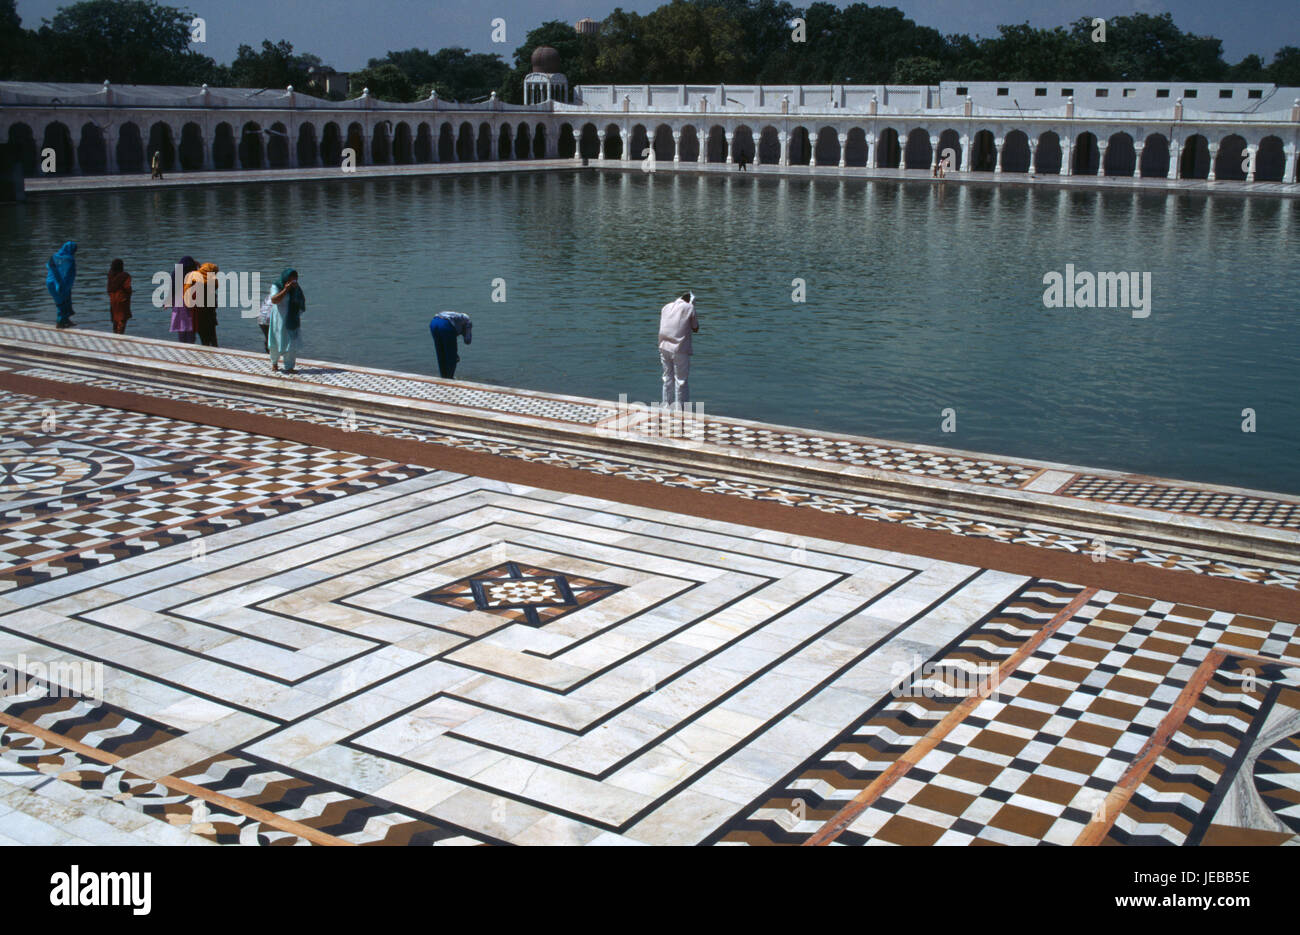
pixel 345 33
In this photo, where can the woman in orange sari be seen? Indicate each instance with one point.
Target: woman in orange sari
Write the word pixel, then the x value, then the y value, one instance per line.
pixel 119 296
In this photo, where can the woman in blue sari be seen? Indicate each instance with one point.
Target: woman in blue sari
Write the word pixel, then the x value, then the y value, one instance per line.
pixel 282 338
pixel 60 271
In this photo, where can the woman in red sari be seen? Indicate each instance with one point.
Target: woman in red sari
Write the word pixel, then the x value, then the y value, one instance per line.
pixel 119 296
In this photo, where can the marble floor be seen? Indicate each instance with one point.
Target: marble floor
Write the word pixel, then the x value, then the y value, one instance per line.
pixel 256 634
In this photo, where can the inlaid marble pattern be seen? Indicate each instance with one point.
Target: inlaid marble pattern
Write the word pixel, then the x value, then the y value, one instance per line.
pixel 1039 535
pixel 1238 508
pixel 343 377
pixel 121 484
pixel 1034 759
pixel 915 461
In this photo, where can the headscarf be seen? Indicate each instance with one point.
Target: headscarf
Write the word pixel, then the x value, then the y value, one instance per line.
pixel 187 265
pixel 61 270
pixel 201 275
pixel 297 301
pixel 117 277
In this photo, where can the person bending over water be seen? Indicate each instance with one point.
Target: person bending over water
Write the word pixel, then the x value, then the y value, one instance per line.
pixel 60 273
pixel 444 327
pixel 282 338
pixel 119 296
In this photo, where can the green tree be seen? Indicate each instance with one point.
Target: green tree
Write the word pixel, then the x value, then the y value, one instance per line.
pixel 276 66
pixel 386 82
pixel 1284 70
pixel 918 69
pixel 123 41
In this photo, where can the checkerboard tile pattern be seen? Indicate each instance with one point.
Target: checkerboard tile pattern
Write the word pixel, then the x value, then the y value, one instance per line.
pixel 1034 760
pixel 1236 508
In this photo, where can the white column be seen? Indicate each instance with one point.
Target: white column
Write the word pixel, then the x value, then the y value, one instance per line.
pixel 1288 174
pixel 1066 167
pixel 812 151
pixel 1214 152
pixel 1254 152
pixel 703 155
pixel 625 135
pixel 871 151
pixel 844 139
pixel 997 167
pixel 677 146
pixel 1175 157
pixel 965 154
pixel 600 143
pixel 1137 158
pixel 728 137
pixel 934 154
pixel 1033 155
pixel 785 148
pixel 110 151
pixel 1101 158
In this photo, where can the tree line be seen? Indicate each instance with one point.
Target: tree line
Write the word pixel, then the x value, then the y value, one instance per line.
pixel 691 41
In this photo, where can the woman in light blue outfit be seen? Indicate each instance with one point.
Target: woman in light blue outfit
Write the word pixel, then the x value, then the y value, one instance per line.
pixel 282 339
pixel 60 273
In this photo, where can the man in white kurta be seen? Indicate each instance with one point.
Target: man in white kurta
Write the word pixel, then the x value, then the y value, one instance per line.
pixel 677 322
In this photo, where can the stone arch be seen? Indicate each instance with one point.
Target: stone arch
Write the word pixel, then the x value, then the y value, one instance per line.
pixel 827 148
pixel 161 142
pixel 22 139
pixel 1155 157
pixel 716 144
pixel 1270 160
pixel 505 142
pixel 539 141
pixel 769 146
pixel 483 148
pixel 356 141
pixel 1047 154
pixel 1121 156
pixel 1086 155
pixel 855 147
pixel 190 152
pixel 403 147
pixel 983 152
pixel 888 151
pixel 950 139
pixel 613 142
pixel 423 149
pixel 446 143
pixel 742 144
pixel 59 138
pixel 1195 160
pixel 130 147
pixel 589 144
pixel 663 144
pixel 918 152
pixel 250 146
pixel 381 144
pixel 224 150
pixel 800 147
pixel 1015 152
pixel 1228 160
pixel 638 141
pixel 92 153
pixel 331 145
pixel 523 142
pixel 308 150
pixel 465 142
pixel 277 146
pixel 690 144
pixel 567 144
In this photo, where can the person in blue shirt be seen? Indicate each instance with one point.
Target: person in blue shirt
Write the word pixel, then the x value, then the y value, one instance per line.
pixel 444 327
